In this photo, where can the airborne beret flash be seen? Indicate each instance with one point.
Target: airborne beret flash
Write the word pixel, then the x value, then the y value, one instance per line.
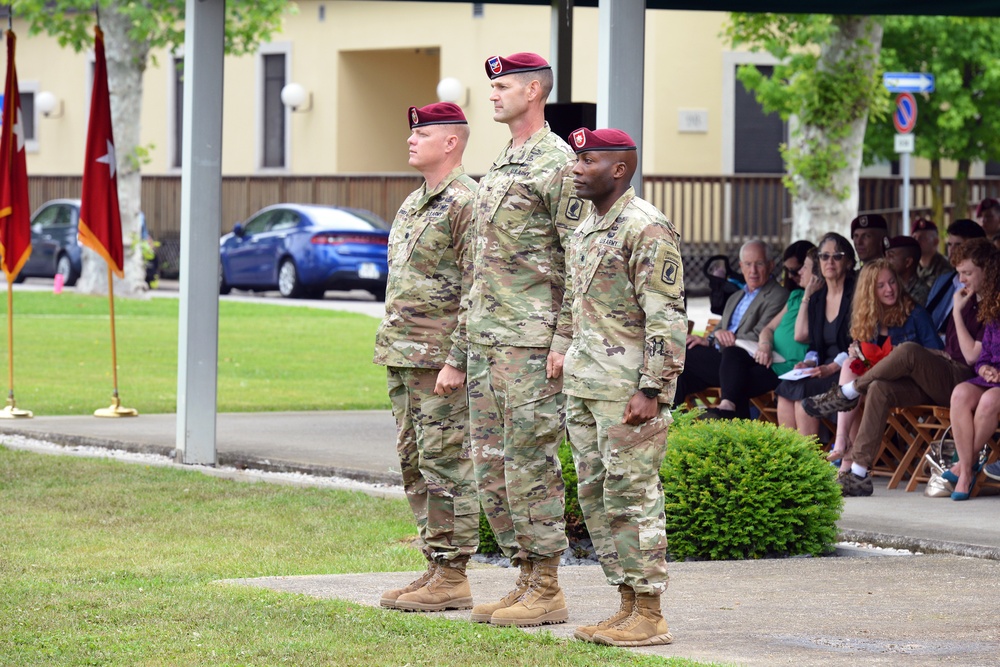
pixel 518 62
pixel 923 225
pixel 439 113
pixel 609 139
pixel 870 221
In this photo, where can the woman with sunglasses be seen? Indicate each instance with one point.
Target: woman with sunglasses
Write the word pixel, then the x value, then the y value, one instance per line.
pixel 887 316
pixel 823 321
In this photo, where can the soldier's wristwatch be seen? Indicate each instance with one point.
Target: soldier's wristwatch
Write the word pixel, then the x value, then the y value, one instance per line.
pixel 650 392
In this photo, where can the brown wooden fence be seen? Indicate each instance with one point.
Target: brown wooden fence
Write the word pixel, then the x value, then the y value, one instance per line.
pixel 715 214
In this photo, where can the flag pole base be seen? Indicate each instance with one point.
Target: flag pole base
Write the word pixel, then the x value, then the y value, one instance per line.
pixel 116 410
pixel 14 412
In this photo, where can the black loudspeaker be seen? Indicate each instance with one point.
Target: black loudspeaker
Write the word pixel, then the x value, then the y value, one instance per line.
pixel 564 117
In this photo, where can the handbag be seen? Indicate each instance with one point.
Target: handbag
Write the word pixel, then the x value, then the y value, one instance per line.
pixel 938 459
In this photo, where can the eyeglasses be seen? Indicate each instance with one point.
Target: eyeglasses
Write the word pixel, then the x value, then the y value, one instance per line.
pixel 793 272
pixel 826 256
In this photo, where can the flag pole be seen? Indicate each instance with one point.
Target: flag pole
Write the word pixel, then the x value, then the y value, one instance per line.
pixel 116 409
pixel 11 411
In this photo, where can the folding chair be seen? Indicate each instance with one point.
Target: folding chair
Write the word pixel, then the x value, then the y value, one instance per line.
pixel 923 425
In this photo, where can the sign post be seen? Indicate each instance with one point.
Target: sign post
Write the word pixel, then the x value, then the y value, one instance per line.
pixel 905 119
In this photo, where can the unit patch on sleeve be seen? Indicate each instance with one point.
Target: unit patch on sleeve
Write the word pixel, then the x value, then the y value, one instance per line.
pixel 668 272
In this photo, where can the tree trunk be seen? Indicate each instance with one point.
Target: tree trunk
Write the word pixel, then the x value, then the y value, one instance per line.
pixel 817 210
pixel 126 64
pixel 937 194
pixel 960 192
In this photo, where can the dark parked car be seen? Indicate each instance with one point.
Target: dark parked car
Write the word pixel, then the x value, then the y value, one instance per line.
pixel 304 250
pixel 55 247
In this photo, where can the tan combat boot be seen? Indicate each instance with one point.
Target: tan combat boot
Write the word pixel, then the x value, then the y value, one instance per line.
pixel 482 613
pixel 586 632
pixel 542 603
pixel 645 626
pixel 389 598
pixel 448 588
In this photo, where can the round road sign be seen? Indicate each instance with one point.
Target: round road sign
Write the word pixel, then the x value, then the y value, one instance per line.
pixel 905 116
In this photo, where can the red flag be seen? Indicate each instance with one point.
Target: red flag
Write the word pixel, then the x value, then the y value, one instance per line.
pixel 15 207
pixel 100 218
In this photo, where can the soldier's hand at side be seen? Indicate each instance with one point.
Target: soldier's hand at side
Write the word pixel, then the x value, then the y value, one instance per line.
pixel 554 365
pixel 640 409
pixel 448 380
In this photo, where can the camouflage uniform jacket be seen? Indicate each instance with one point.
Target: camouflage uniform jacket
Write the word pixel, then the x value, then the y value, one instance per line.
pixel 429 263
pixel 525 212
pixel 629 322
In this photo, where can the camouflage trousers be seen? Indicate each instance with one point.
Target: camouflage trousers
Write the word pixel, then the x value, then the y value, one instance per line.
pixel 432 440
pixel 619 490
pixel 517 420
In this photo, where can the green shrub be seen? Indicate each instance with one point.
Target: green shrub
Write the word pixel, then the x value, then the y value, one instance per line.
pixel 747 489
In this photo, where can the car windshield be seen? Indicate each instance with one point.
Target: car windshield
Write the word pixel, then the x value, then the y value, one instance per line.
pixel 355 219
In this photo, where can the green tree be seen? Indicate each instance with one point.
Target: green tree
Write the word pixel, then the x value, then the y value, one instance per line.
pixel 826 83
pixel 132 31
pixel 960 120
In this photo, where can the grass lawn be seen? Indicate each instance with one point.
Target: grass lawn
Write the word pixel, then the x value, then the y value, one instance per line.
pixel 270 357
pixel 106 563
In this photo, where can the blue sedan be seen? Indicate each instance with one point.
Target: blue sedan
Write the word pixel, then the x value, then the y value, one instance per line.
pixel 304 250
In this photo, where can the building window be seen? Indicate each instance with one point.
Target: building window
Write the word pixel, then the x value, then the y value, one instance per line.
pixel 758 135
pixel 177 158
pixel 273 126
pixel 28 114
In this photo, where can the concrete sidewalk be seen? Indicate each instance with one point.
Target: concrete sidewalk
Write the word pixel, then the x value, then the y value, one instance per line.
pixel 360 445
pixel 877 610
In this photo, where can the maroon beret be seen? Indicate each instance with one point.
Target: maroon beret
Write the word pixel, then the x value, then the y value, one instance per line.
pixel 512 64
pixel 439 113
pixel 903 242
pixel 871 221
pixel 610 139
pixel 986 205
pixel 923 224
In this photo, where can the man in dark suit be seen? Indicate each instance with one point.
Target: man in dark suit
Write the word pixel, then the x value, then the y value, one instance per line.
pixel 746 313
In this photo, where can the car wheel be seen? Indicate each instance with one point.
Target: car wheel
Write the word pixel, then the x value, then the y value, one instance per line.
pixel 379 294
pixel 288 280
pixel 224 287
pixel 317 293
pixel 64 267
pixel 20 278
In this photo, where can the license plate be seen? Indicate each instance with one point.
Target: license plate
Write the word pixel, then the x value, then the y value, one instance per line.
pixel 368 271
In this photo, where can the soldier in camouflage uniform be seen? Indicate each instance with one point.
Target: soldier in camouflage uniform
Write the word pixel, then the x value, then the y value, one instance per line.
pixel 629 328
pixel 518 331
pixel 429 263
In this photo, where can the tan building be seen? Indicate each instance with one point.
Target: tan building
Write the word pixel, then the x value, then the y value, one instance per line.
pixel 362 63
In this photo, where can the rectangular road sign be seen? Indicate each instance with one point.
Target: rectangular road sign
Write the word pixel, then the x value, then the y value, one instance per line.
pixel 904 143
pixel 908 82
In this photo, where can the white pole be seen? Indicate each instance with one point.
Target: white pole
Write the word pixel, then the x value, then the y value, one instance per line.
pixel 904 167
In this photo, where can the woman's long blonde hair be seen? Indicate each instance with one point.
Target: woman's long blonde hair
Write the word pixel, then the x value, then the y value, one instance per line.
pixel 868 313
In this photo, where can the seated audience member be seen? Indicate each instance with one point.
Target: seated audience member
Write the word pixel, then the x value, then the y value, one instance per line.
pixel 882 314
pixel 932 263
pixel 791 264
pixel 913 374
pixel 870 235
pixel 988 215
pixel 975 403
pixel 745 314
pixel 904 255
pixel 939 300
pixel 744 374
pixel 823 321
